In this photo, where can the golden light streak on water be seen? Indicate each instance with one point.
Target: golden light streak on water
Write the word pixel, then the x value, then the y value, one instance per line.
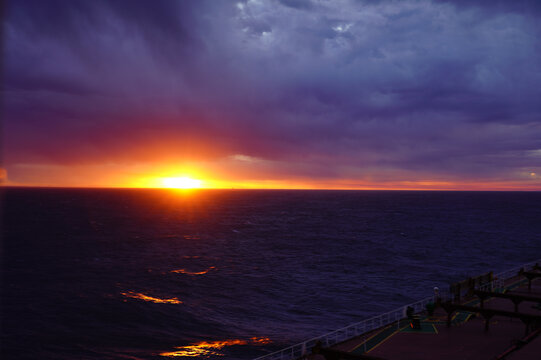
pixel 260 341
pixel 184 271
pixel 205 348
pixel 144 297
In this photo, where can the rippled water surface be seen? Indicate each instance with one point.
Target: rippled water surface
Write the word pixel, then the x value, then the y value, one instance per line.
pixel 152 274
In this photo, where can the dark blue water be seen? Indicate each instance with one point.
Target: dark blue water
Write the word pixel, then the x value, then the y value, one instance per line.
pixel 260 269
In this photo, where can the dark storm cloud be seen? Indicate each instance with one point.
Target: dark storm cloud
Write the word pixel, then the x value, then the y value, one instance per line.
pixel 423 86
pixel 498 6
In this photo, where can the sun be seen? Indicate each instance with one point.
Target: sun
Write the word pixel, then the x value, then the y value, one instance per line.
pixel 181 183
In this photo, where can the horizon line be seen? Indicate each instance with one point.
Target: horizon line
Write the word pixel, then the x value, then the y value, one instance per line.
pixel 258 189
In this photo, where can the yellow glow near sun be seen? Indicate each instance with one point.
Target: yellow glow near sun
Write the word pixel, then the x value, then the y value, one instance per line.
pixel 181 183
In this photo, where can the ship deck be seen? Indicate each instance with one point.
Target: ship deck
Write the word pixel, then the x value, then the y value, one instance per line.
pixel 466 338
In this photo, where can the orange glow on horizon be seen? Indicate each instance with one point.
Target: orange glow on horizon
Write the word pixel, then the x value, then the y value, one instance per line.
pixel 191 176
pixel 205 348
pixel 228 179
pixel 141 296
pixel 281 185
pixel 181 183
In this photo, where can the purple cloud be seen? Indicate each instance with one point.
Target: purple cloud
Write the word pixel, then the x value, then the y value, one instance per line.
pixel 348 89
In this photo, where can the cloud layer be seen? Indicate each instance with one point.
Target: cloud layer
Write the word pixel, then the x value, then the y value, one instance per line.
pixel 379 91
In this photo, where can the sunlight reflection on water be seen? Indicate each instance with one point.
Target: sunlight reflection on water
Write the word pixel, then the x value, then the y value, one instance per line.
pixel 141 296
pixel 205 348
pixel 184 271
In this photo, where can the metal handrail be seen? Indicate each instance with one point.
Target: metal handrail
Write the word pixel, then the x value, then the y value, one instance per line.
pixel 499 279
pixel 348 332
pixel 334 337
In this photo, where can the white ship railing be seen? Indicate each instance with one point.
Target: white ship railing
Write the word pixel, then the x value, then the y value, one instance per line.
pixel 499 279
pixel 390 318
pixel 348 332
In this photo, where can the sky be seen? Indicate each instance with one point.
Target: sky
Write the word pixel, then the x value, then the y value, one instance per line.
pixel 273 94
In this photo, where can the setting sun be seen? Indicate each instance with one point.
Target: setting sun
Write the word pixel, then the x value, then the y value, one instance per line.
pixel 181 183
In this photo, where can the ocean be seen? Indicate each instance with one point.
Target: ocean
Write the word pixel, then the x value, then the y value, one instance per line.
pixel 235 274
